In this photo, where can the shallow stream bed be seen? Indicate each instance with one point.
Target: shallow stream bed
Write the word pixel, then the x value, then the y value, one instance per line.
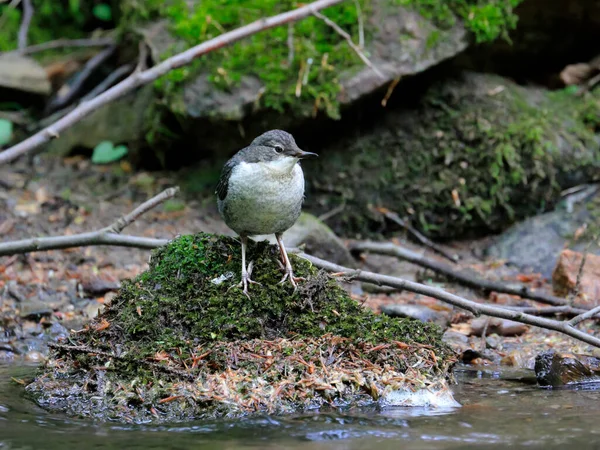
pixel 500 409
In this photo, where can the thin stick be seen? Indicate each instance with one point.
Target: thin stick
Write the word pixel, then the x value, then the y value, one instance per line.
pixel 25 23
pixel 290 44
pixel 67 43
pixel 566 328
pixel 348 38
pixel 105 236
pixel 585 316
pixel 82 77
pixel 387 248
pixel 361 25
pixel 422 239
pixel 147 76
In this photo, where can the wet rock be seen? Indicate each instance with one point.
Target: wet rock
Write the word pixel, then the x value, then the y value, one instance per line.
pixel 501 327
pixel 555 370
pixel 34 356
pixel 34 309
pixel 98 286
pixel 535 244
pixel 23 74
pixel 317 238
pixel 564 277
pixel 432 164
pixel 417 312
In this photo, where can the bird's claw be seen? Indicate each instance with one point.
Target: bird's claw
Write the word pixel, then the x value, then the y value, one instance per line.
pixel 293 279
pixel 246 280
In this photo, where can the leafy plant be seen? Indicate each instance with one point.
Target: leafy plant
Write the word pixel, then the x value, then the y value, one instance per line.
pixel 6 131
pixel 103 12
pixel 106 152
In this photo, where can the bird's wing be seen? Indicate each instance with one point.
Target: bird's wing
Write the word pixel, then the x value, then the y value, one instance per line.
pixel 223 184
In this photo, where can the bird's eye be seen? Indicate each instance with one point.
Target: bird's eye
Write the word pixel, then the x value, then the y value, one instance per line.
pixel 278 148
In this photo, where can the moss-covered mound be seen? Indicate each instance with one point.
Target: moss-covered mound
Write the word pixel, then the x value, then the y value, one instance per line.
pixel 178 343
pixel 478 153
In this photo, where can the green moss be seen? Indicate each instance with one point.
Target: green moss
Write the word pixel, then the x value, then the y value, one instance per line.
pixel 308 81
pixel 178 342
pixel 53 19
pixel 486 19
pixel 177 300
pixel 477 155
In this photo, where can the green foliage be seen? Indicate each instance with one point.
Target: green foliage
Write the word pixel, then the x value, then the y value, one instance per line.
pixel 6 131
pixel 106 152
pixel 309 82
pixel 486 19
pixel 103 12
pixel 53 19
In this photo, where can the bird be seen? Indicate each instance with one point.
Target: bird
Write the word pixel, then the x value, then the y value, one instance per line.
pixel 261 191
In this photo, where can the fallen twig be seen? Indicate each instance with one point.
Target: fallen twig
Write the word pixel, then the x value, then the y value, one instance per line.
pixel 422 239
pixel 105 236
pixel 565 327
pixel 120 72
pixel 25 22
pixel 386 248
pixel 147 76
pixel 66 43
pixel 351 43
pixel 62 100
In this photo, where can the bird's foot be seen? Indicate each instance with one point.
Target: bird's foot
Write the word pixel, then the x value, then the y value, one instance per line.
pixel 246 280
pixel 289 273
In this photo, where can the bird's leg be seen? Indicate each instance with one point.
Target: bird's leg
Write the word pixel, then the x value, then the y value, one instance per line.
pixel 289 273
pixel 246 273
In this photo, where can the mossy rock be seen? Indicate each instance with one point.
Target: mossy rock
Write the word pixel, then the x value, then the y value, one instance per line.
pixel 179 343
pixel 477 153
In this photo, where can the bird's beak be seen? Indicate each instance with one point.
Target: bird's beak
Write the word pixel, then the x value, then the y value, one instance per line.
pixel 301 154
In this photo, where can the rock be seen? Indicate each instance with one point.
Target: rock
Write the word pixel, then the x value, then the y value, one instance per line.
pixel 34 309
pixel 180 347
pixel 564 277
pixel 501 327
pixel 223 95
pixel 417 312
pixel 121 122
pixel 317 238
pixel 438 163
pixel 23 74
pixel 34 356
pixel 98 286
pixel 535 244
pixel 556 370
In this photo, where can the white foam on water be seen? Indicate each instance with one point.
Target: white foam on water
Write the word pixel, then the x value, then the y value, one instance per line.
pixel 434 398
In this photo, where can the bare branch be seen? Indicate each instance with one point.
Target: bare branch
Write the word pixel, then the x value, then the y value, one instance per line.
pixel 120 224
pixel 585 316
pixel 386 248
pixel 290 44
pixel 147 76
pixel 67 43
pixel 351 43
pixel 446 297
pixel 105 236
pixel 422 239
pixel 361 26
pixel 25 22
pixel 62 100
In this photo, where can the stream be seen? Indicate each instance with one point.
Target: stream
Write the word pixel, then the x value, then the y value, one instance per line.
pixel 500 408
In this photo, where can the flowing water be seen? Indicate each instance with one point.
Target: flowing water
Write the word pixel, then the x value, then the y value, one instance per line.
pixel 499 410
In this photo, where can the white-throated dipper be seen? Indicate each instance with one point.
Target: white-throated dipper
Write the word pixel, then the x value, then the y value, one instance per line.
pixel 260 191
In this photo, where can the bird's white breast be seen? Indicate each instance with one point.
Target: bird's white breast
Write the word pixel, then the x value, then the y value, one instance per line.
pixel 264 197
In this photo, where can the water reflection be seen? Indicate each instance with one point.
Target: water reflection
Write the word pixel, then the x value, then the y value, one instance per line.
pixel 496 412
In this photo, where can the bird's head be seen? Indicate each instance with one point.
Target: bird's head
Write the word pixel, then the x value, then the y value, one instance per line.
pixel 279 147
